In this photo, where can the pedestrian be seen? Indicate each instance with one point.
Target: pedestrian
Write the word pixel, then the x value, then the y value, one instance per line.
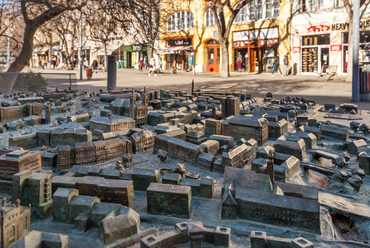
pixel 276 65
pixel 146 62
pixel 152 67
pixel 160 64
pixel 94 66
pixel 74 62
pixel 141 64
pixel 286 64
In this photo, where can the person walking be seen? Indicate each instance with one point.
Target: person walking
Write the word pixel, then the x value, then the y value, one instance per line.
pixel 152 67
pixel 276 65
pixel 94 66
pixel 146 62
pixel 141 64
pixel 286 64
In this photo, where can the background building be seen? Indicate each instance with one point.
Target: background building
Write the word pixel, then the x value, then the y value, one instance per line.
pixel 320 36
pixel 189 35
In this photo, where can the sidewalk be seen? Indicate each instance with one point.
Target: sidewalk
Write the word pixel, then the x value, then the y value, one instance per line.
pixel 335 91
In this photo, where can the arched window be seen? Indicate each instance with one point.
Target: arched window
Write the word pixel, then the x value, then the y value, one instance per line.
pixel 182 20
pixel 209 18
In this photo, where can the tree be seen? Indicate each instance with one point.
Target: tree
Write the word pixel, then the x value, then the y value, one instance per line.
pixel 224 13
pixel 35 14
pixel 348 5
pixel 101 26
pixel 66 26
pixel 139 20
pixel 11 27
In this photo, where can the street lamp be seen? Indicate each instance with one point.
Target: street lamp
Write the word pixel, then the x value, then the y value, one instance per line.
pixel 81 62
pixel 356 43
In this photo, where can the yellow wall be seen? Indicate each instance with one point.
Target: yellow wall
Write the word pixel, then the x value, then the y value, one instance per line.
pixel 201 34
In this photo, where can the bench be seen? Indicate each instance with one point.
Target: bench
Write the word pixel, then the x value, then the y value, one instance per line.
pixel 332 72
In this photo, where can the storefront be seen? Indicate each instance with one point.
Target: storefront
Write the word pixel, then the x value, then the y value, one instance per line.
pixel 255 50
pixel 315 53
pixel 364 49
pixel 179 54
pixel 319 46
pixel 132 54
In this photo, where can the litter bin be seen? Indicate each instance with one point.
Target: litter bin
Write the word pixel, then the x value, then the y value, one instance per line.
pixel 89 73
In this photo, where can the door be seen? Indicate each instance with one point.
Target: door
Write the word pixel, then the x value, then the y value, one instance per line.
pixel 324 60
pixel 213 56
pixel 254 60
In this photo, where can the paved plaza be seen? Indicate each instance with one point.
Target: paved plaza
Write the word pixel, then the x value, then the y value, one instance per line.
pixel 312 87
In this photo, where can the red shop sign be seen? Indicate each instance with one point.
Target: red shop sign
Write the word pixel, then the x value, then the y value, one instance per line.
pixel 318 28
pixel 335 48
pixel 296 49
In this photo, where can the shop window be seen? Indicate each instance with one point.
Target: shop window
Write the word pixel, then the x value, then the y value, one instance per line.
pixel 209 18
pixel 182 20
pixel 323 39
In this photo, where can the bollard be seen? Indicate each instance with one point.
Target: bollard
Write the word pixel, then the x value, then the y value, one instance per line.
pixel 112 73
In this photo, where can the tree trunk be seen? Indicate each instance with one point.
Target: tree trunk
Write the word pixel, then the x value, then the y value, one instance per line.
pixel 195 55
pixel 150 53
pixel 225 70
pixel 8 80
pixel 105 58
pixel 350 50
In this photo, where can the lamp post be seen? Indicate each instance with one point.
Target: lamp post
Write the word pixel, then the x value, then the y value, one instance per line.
pixel 356 43
pixel 81 62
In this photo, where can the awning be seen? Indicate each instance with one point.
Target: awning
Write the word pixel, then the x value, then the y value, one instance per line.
pixel 173 50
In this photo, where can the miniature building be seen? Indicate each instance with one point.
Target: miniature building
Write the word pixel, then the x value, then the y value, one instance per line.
pixel 255 198
pixel 35 189
pixel 18 161
pixel 114 221
pixel 142 141
pixel 261 240
pixel 138 111
pixel 89 153
pixel 246 127
pixel 193 231
pixel 166 199
pixel 114 123
pixel 237 157
pixel 15 222
pixel 230 106
pixel 36 239
pixel 196 137
pixel 19 112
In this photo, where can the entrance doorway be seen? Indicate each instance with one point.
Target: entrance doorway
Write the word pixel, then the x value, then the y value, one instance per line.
pixel 213 56
pixel 324 59
pixel 254 60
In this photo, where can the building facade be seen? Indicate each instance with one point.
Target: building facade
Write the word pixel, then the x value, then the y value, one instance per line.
pixel 319 36
pixel 189 36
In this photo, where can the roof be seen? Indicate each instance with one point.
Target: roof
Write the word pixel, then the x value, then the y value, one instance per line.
pixel 111 121
pixel 142 134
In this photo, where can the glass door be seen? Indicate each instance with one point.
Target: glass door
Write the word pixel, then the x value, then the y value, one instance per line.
pixel 324 60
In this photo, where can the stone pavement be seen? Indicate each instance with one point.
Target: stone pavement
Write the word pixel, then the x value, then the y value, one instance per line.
pixel 309 86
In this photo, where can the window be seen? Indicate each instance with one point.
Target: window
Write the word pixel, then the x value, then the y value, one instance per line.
pixel 242 16
pixel 258 10
pixel 339 3
pixel 209 18
pixel 313 5
pixel 182 20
